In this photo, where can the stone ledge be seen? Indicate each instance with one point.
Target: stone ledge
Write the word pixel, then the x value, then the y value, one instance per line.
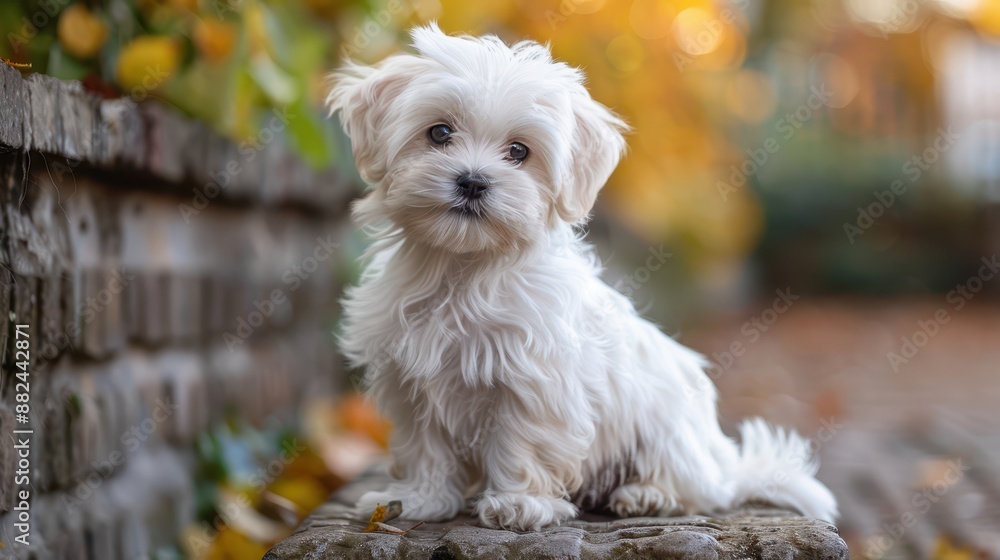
pixel 54 117
pixel 334 531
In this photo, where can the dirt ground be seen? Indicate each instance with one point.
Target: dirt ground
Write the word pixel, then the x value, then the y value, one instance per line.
pixel 901 400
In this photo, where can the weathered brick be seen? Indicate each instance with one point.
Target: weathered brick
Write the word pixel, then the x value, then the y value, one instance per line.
pixel 13 109
pixel 182 411
pixel 123 136
pixel 43 127
pixel 61 527
pixel 214 305
pixel 50 440
pixel 138 370
pixel 101 524
pixel 80 130
pixel 129 402
pixel 6 285
pixel 86 273
pixel 52 258
pixel 167 133
pixel 85 438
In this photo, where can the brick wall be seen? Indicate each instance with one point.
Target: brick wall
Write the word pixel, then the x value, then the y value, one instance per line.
pixel 169 278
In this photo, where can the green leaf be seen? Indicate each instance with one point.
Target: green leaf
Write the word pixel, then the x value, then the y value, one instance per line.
pixel 307 134
pixel 64 66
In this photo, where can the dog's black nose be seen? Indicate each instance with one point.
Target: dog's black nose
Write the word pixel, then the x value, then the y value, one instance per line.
pixel 472 186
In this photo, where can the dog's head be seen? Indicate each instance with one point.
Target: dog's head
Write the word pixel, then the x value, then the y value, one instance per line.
pixel 475 146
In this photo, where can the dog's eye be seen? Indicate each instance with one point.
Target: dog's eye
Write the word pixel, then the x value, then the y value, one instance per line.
pixel 439 134
pixel 518 151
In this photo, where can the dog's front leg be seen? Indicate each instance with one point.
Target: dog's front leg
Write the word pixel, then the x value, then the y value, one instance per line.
pixel 531 464
pixel 432 479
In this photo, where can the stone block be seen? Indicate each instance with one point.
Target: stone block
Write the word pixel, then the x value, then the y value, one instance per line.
pixel 738 535
pixel 61 527
pixel 6 285
pixel 123 134
pixel 182 412
pixel 80 135
pixel 43 126
pixel 13 109
pixel 167 134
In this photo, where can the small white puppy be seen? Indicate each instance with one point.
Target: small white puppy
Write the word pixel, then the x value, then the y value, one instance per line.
pixel 509 370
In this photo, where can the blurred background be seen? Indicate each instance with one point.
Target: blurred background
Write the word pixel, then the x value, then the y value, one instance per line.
pixel 811 199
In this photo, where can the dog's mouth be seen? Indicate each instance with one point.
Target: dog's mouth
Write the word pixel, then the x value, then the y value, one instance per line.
pixel 472 209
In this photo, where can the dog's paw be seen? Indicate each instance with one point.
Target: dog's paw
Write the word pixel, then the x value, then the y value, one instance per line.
pixel 520 512
pixel 422 506
pixel 636 500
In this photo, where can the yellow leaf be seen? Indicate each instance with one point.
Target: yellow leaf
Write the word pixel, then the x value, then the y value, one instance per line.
pixel 359 415
pixel 305 493
pixel 377 517
pixel 80 33
pixel 215 38
pixel 947 551
pixel 232 545
pixel 147 62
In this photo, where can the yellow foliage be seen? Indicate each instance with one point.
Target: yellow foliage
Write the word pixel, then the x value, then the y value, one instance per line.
pixel 256 29
pixel 147 62
pixel 357 414
pixel 80 33
pixel 987 18
pixel 215 38
pixel 946 550
pixel 232 545
pixel 306 493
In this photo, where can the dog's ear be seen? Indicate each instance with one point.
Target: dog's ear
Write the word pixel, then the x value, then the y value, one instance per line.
pixel 598 146
pixel 363 97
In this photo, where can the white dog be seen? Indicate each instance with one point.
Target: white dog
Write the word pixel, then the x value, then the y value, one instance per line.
pixel 509 370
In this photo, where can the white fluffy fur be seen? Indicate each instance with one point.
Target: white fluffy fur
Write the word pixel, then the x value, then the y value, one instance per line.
pixel 510 371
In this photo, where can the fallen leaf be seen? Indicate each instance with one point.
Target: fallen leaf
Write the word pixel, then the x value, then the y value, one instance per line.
pixel 81 33
pixel 383 528
pixel 387 513
pixel 376 518
pixel 11 63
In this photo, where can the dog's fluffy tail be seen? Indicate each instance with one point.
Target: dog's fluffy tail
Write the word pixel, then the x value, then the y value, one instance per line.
pixel 777 466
